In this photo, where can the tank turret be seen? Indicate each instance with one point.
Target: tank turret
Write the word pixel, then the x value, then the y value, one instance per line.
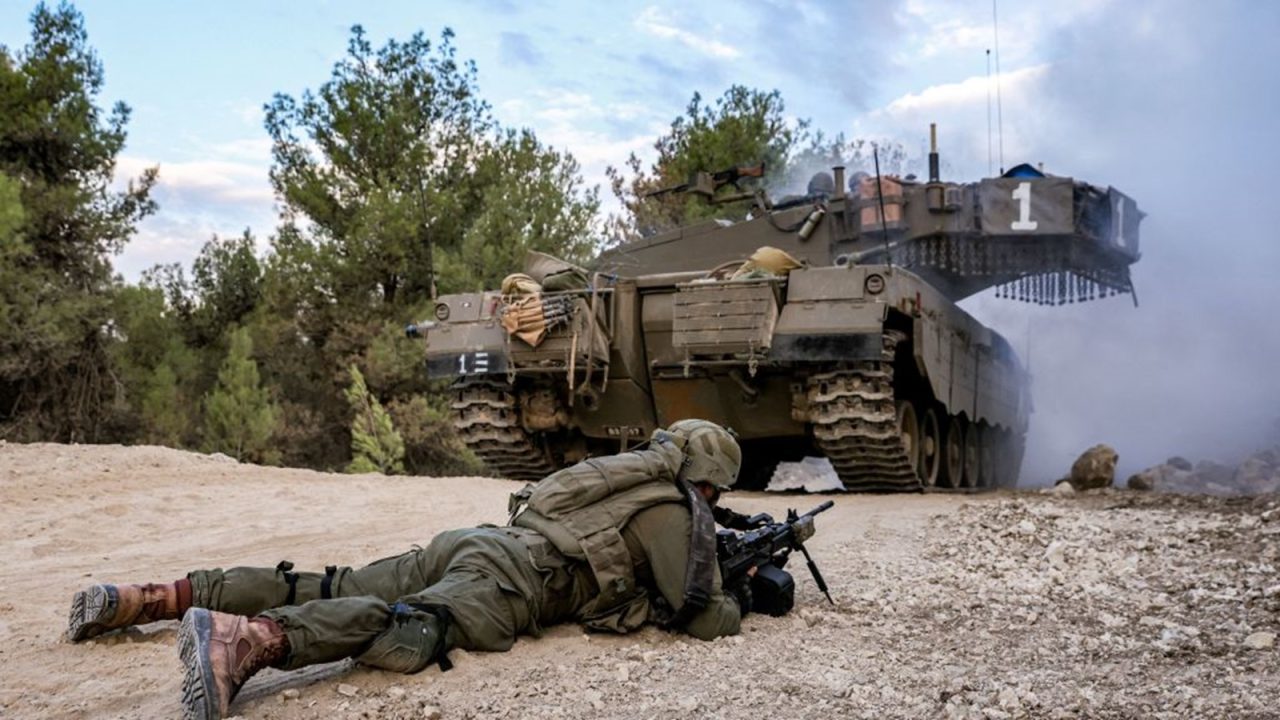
pixel 820 324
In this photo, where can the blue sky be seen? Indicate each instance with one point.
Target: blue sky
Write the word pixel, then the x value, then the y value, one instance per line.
pixel 1173 101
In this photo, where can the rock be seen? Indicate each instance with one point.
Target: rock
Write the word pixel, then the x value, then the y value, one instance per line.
pixel 1145 480
pixel 1008 699
pixel 1026 527
pixel 812 474
pixel 1260 641
pixel 290 694
pixel 1166 478
pixel 430 712
pixel 346 690
pixel 1095 468
pixel 220 458
pixel 395 692
pixel 1063 487
pixel 1179 463
pixel 1056 554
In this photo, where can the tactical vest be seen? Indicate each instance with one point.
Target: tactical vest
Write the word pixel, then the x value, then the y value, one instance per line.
pixel 582 509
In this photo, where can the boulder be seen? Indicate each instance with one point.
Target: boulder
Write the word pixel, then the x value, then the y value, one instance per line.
pixel 1095 468
pixel 1145 480
pixel 1179 462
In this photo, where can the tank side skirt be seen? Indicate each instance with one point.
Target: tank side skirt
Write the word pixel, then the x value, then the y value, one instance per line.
pixel 825 348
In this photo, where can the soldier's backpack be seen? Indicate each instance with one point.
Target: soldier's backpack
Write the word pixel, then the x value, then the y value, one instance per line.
pixel 582 510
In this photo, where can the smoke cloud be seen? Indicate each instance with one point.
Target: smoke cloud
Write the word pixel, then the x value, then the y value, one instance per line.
pixel 1174 103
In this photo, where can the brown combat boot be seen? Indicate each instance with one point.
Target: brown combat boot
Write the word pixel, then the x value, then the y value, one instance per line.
pixel 220 652
pixel 107 607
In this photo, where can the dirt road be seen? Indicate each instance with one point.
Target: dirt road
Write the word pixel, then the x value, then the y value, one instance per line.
pixel 1009 605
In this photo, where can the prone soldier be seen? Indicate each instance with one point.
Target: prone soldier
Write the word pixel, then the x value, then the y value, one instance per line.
pixel 613 542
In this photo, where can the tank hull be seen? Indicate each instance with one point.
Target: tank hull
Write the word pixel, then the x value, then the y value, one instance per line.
pixel 859 354
pixel 810 365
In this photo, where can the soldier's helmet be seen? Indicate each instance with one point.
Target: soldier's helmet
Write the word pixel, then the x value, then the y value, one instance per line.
pixel 711 453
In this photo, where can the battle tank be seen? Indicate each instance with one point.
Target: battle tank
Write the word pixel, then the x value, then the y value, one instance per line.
pixel 857 351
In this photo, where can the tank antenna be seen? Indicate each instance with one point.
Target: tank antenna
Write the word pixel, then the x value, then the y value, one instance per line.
pixel 884 225
pixel 991 165
pixel 995 29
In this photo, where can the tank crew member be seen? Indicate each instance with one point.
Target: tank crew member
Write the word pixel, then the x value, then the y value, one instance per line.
pixel 564 556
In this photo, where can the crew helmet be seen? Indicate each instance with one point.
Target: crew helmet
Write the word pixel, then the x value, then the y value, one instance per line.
pixel 711 453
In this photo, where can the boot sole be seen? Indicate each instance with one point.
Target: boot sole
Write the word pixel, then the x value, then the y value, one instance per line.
pixel 199 692
pixel 91 613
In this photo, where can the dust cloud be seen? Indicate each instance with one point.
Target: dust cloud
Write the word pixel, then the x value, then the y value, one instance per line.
pixel 1174 104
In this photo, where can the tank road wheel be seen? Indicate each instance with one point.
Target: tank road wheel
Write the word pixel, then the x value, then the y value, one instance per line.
pixel 987 454
pixel 931 449
pixel 953 453
pixel 970 442
pixel 909 433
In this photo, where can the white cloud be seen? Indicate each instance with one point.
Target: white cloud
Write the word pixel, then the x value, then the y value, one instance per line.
pixel 656 23
pixel 577 122
pixel 943 27
pixel 949 96
pixel 221 195
pixel 256 150
pixel 214 181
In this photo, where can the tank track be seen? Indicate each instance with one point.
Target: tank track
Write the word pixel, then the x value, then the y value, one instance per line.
pixel 486 416
pixel 855 424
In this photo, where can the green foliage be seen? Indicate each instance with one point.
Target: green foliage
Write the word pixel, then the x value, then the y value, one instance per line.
pixel 239 415
pixel 163 409
pixel 395 183
pixel 157 372
pixel 55 279
pixel 375 444
pixel 397 164
pixel 227 284
pixel 11 214
pixel 431 447
pixel 744 127
pixel 532 203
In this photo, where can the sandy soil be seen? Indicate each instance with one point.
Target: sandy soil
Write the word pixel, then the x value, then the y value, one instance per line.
pixel 997 606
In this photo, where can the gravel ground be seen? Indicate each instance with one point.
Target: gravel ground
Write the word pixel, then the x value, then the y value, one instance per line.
pixel 1111 604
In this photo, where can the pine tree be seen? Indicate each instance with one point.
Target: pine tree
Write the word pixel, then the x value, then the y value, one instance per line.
pixel 56 282
pixel 376 446
pixel 163 414
pixel 239 416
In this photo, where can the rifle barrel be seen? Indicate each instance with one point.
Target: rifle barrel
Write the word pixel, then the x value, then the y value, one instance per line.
pixel 821 508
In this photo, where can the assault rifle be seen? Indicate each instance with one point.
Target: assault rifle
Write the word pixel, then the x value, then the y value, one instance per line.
pixel 767 548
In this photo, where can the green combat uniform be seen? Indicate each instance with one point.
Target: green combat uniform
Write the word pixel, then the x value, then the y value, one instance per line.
pixel 479 588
